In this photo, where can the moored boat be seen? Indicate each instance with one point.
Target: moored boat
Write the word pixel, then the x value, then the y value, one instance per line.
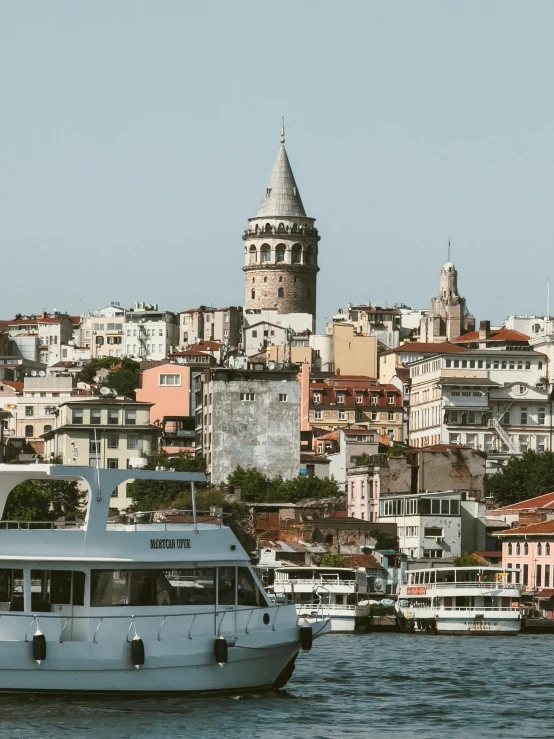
pixel 460 600
pixel 339 593
pixel 144 604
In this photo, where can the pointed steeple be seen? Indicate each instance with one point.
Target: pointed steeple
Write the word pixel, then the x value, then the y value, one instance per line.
pixel 282 197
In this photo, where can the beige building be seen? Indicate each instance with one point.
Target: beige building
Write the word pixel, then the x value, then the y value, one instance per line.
pixel 223 325
pixel 353 354
pixel 103 432
pixel 103 332
pixel 403 355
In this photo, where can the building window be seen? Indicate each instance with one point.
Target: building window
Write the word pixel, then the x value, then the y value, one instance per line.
pixel 316 397
pixel 47 428
pixel 77 415
pixel 342 416
pixel 471 441
pixel 248 396
pixel 523 444
pixel 526 574
pixel 547 549
pixel 547 576
pixel 132 441
pixel 373 399
pixel 390 399
pixel 280 293
pixel 93 445
pixel 113 417
pixel 130 418
pixel 518 549
pixel 509 549
pixel 113 464
pixel 29 431
pixel 391 416
pixel 170 380
pixel 359 398
pixel 523 418
pixel 542 416
pixel 29 411
pixel 283 397
pixel 266 254
pixel 113 441
pixel 95 416
pixel 340 398
pixel 539 549
pixel 317 415
pixel 525 548
pixel 253 294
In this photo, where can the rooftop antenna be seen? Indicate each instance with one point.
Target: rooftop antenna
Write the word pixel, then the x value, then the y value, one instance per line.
pixel 548 299
pixel 448 248
pixel 283 130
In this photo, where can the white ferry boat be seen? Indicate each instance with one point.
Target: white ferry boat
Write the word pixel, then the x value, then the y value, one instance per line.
pixel 460 600
pixel 339 593
pixel 134 607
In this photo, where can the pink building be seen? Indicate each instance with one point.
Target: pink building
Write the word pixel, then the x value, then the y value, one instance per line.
pixel 167 385
pixel 530 549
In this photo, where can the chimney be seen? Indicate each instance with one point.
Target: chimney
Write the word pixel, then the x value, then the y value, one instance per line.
pixel 484 330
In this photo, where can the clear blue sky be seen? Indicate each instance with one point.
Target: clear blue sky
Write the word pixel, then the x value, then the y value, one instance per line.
pixel 138 137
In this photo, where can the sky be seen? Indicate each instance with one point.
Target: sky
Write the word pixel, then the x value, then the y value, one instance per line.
pixel 137 137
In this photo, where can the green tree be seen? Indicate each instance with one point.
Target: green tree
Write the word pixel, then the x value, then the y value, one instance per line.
pixel 522 478
pixel 363 460
pixel 466 560
pixel 44 500
pixel 256 487
pixel 385 541
pixel 124 379
pixel 151 495
pixel 331 560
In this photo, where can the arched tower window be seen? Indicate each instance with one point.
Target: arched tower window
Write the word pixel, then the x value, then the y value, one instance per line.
pixel 253 255
pixel 268 228
pixel 294 228
pixel 29 431
pixel 281 227
pixel 308 255
pixel 266 253
pixel 281 253
pixel 253 294
pixel 280 293
pixel 295 254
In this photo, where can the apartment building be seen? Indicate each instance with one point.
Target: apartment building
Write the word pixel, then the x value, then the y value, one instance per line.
pixel 338 402
pixel 493 399
pixel 210 324
pixel 385 324
pixel 102 432
pixel 150 334
pixel 103 332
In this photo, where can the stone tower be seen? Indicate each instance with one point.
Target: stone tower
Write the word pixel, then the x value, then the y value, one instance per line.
pixel 280 247
pixel 449 317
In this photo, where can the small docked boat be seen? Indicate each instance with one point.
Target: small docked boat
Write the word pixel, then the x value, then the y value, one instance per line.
pixel 460 600
pixel 338 593
pixel 154 603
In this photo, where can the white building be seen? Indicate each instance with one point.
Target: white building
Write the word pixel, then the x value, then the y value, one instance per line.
pixel 436 525
pixel 150 334
pixel 102 332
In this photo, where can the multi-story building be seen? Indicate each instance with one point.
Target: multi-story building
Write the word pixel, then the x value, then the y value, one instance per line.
pixel 249 418
pixel 103 332
pixel 530 549
pixel 449 316
pixel 339 402
pixel 102 432
pixel 223 325
pixel 372 320
pixel 496 400
pixel 281 248
pixel 150 334
pixel 40 338
pixel 436 525
pixel 402 356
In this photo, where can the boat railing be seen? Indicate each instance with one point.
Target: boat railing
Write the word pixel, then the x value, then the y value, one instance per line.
pixel 483 585
pixel 47 525
pixel 234 622
pixel 315 581
pixel 478 609
pixel 330 606
pixel 169 518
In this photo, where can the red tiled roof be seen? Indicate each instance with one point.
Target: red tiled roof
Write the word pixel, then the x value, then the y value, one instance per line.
pixel 76 320
pixel 15 385
pixel 211 345
pixel 545 594
pixel 357 432
pixel 545 527
pixel 338 514
pixel 191 353
pixel 439 448
pixel 366 560
pixel 503 334
pixel 540 501
pixel 333 436
pixel 416 347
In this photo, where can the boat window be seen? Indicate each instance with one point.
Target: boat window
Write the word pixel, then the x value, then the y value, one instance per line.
pixel 248 592
pixel 11 590
pixel 152 587
pixel 55 587
pixel 226 586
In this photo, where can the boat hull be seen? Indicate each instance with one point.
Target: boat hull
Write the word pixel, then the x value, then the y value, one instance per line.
pixel 467 624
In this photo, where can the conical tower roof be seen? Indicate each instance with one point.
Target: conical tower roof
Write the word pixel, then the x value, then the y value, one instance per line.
pixel 282 197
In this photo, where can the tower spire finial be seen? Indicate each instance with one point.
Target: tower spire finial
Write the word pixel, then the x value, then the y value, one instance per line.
pixel 283 130
pixel 449 248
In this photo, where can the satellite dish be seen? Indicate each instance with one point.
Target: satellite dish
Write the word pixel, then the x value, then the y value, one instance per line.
pixel 113 391
pixel 34 373
pixel 105 391
pixel 42 373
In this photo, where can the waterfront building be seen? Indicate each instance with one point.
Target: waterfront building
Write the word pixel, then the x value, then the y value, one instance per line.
pixel 525 512
pixel 530 549
pixel 449 316
pixel 438 525
pixel 281 248
pixel 249 418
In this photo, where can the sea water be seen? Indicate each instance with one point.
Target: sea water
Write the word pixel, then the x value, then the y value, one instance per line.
pixel 397 686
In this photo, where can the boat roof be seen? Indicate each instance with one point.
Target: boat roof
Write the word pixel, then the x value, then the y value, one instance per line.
pixel 314 567
pixel 95 541
pixel 488 568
